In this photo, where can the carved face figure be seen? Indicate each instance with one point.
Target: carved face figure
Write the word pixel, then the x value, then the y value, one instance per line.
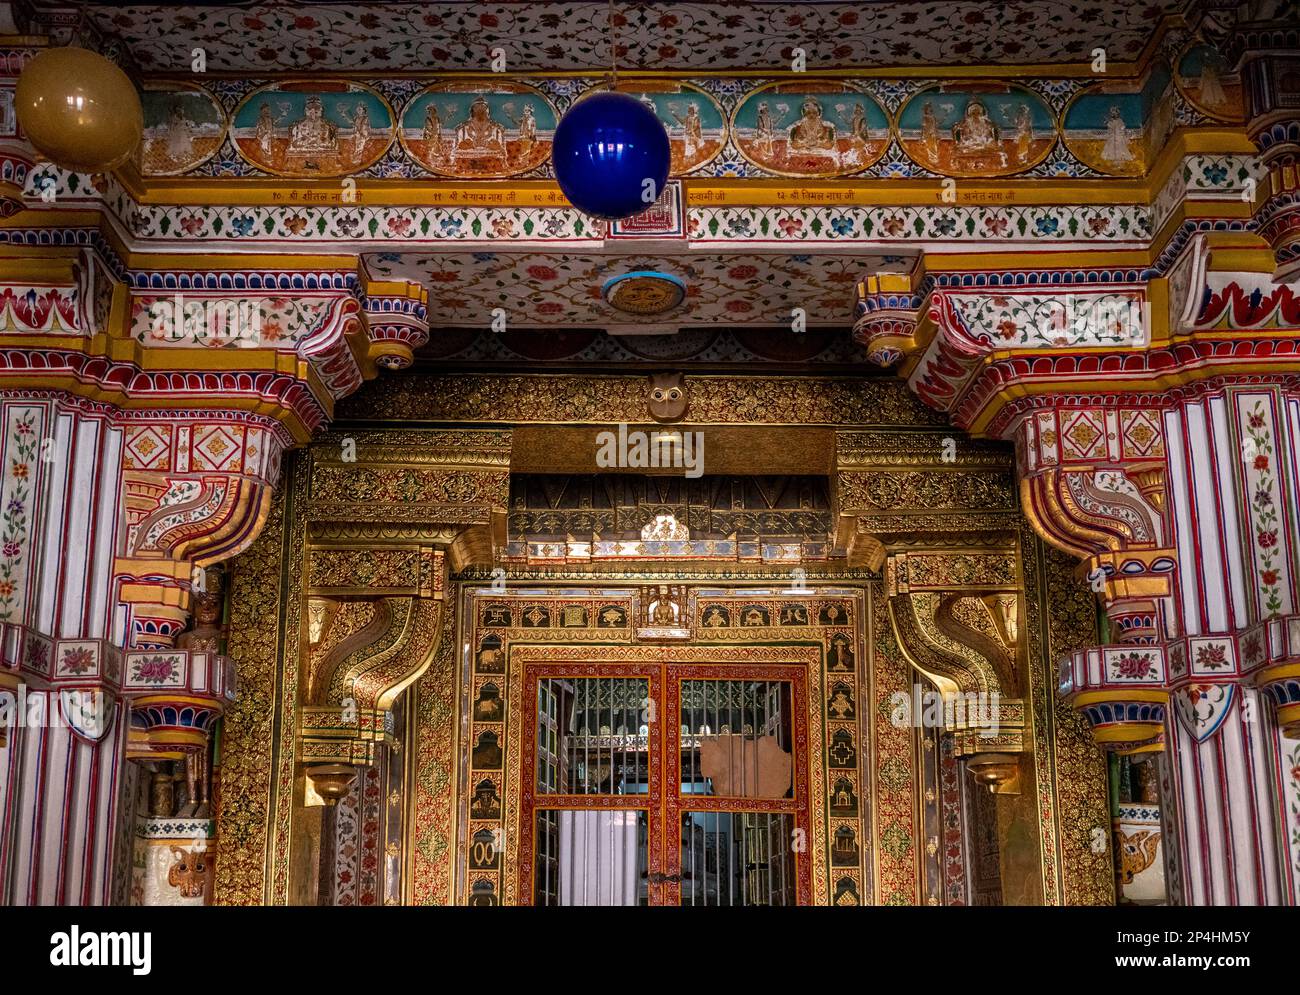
pixel 188 872
pixel 668 398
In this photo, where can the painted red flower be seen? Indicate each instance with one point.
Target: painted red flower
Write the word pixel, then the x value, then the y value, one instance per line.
pixel 305 22
pixel 543 272
pixel 549 307
pixel 1007 328
pixel 1256 420
pixel 1261 462
pixel 790 226
pixel 155 669
pixel 742 272
pixel 444 276
pixel 1269 577
pixel 1268 539
pixel 1211 656
pixel 739 307
pixel 1133 666
pixel 488 20
pixel 78 660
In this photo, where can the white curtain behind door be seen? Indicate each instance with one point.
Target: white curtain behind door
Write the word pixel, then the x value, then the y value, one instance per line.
pixel 598 864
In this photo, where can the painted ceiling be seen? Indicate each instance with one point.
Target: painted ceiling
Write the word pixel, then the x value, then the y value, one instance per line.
pixel 566 289
pixel 750 35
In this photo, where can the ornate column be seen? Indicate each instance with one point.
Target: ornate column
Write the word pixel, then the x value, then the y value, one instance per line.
pixel 1157 430
pixel 386 523
pixel 134 455
pixel 1264 52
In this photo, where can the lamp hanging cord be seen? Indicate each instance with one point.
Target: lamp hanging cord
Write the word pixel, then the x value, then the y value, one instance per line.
pixel 78 39
pixel 613 47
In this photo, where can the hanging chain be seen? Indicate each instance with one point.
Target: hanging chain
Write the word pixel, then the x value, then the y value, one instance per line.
pixel 613 46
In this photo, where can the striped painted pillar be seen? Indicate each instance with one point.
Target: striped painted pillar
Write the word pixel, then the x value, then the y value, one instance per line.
pixel 62 765
pixel 1230 770
pixel 1185 512
pixel 62 788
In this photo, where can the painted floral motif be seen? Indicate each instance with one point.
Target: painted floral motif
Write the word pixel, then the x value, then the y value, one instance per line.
pixel 1133 666
pixel 1260 456
pixel 38 655
pixel 1203 707
pixel 744 35
pixel 1027 319
pixel 1211 656
pixel 232 322
pixel 15 509
pixel 562 288
pixel 50 311
pixel 1177 660
pixel 157 670
pixel 77 660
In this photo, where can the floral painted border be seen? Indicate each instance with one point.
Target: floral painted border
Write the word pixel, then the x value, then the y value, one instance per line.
pixel 17 511
pixel 1202 177
pixel 1267 531
pixel 1291 792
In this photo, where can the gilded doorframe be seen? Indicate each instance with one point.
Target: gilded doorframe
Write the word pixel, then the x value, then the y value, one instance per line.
pixel 895 489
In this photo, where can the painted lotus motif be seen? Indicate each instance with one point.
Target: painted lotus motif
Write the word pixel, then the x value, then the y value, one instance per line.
pixel 696 124
pixel 312 128
pixel 813 128
pixel 477 130
pixel 184 127
pixel 969 129
pixel 1205 78
pixel 1118 128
